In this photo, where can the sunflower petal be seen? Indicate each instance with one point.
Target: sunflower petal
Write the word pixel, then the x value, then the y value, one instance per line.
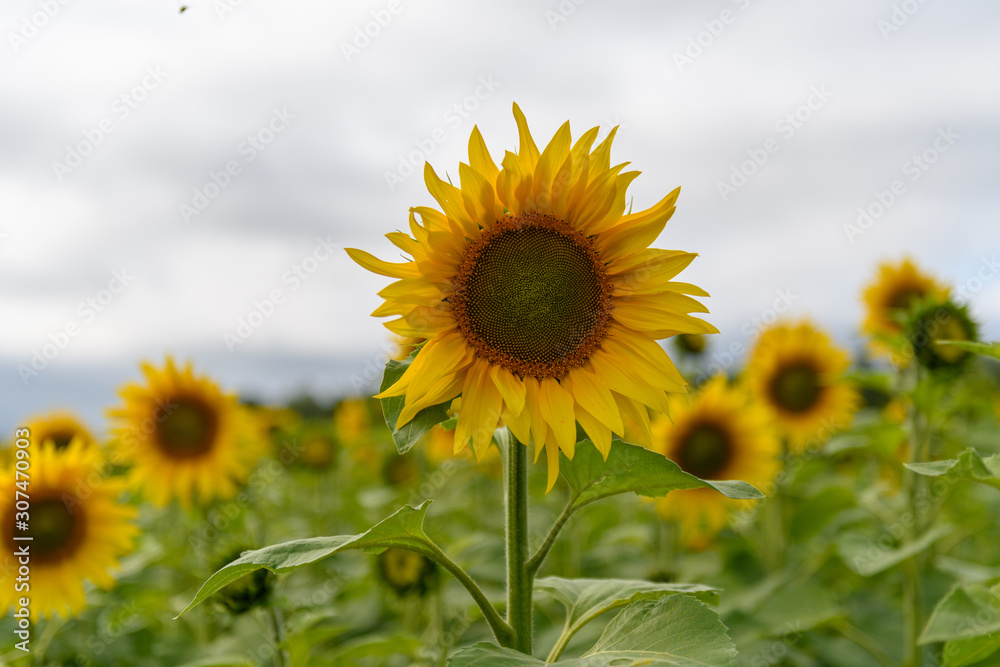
pixel 376 265
pixel 556 406
pixel 511 388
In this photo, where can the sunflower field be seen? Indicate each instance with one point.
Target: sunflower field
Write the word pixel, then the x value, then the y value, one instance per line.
pixel 550 473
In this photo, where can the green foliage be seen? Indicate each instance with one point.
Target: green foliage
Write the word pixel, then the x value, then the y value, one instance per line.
pixel 970 465
pixel 631 468
pixel 675 631
pixel 410 433
pixel 984 349
pixel 403 529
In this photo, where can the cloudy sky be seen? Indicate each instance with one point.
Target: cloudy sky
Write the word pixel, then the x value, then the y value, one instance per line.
pixel 165 174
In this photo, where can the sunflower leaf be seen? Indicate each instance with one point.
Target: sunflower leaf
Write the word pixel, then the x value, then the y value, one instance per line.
pixel 985 349
pixel 586 599
pixel 675 631
pixel 403 529
pixel 631 468
pixel 965 612
pixel 969 465
pixel 410 433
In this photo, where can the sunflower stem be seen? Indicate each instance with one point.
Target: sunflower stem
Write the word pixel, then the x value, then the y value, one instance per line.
pixel 519 577
pixel 278 628
pixel 912 613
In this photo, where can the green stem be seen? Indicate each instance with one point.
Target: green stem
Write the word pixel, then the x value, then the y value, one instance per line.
pixel 560 646
pixel 865 642
pixel 519 578
pixel 278 627
pixel 912 614
pixel 503 632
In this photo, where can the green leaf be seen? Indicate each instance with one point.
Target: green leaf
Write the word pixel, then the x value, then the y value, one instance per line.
pixel 965 612
pixel 586 599
pixel 985 349
pixel 969 465
pixel 402 529
pixel 412 431
pixel 675 631
pixel 962 652
pixel 636 469
pixel 867 557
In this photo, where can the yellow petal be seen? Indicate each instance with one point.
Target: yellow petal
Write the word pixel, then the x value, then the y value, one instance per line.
pixel 610 215
pixel 594 396
pixel 511 388
pixel 376 265
pixel 556 406
pixel 552 462
pixel 526 145
pixel 625 382
pixel 514 184
pixel 635 416
pixel 598 433
pixel 549 163
pixel 538 428
pixel 478 196
pixel 450 199
pixel 479 157
pixel 600 159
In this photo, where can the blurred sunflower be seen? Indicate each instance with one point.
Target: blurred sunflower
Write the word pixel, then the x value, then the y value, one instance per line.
pixel 59 427
pixel 796 371
pixel 935 322
pixel 718 433
pixel 184 437
pixel 79 530
pixel 692 344
pixel 889 298
pixel 406 571
pixel 540 299
pixel 352 420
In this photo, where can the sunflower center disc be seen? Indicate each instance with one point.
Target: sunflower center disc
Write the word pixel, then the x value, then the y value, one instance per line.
pixel 188 429
pixel 796 388
pixel 62 439
pixel 54 528
pixel 532 296
pixel 705 452
pixel 904 298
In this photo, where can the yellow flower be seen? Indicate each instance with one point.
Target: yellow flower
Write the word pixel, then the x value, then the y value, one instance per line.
pixel 351 420
pixel 797 373
pixel 60 427
pixel 406 571
pixel 889 298
pixel 79 529
pixel 539 297
pixel 717 434
pixel 183 436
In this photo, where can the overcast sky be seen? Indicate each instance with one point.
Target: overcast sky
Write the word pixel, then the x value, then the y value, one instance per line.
pixel 163 173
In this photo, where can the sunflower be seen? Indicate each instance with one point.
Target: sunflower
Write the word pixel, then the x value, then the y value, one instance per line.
pixel 60 427
pixel 539 298
pixel 889 298
pixel 351 420
pixel 184 437
pixel 79 530
pixel 406 572
pixel 796 372
pixel 717 433
pixel 934 322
